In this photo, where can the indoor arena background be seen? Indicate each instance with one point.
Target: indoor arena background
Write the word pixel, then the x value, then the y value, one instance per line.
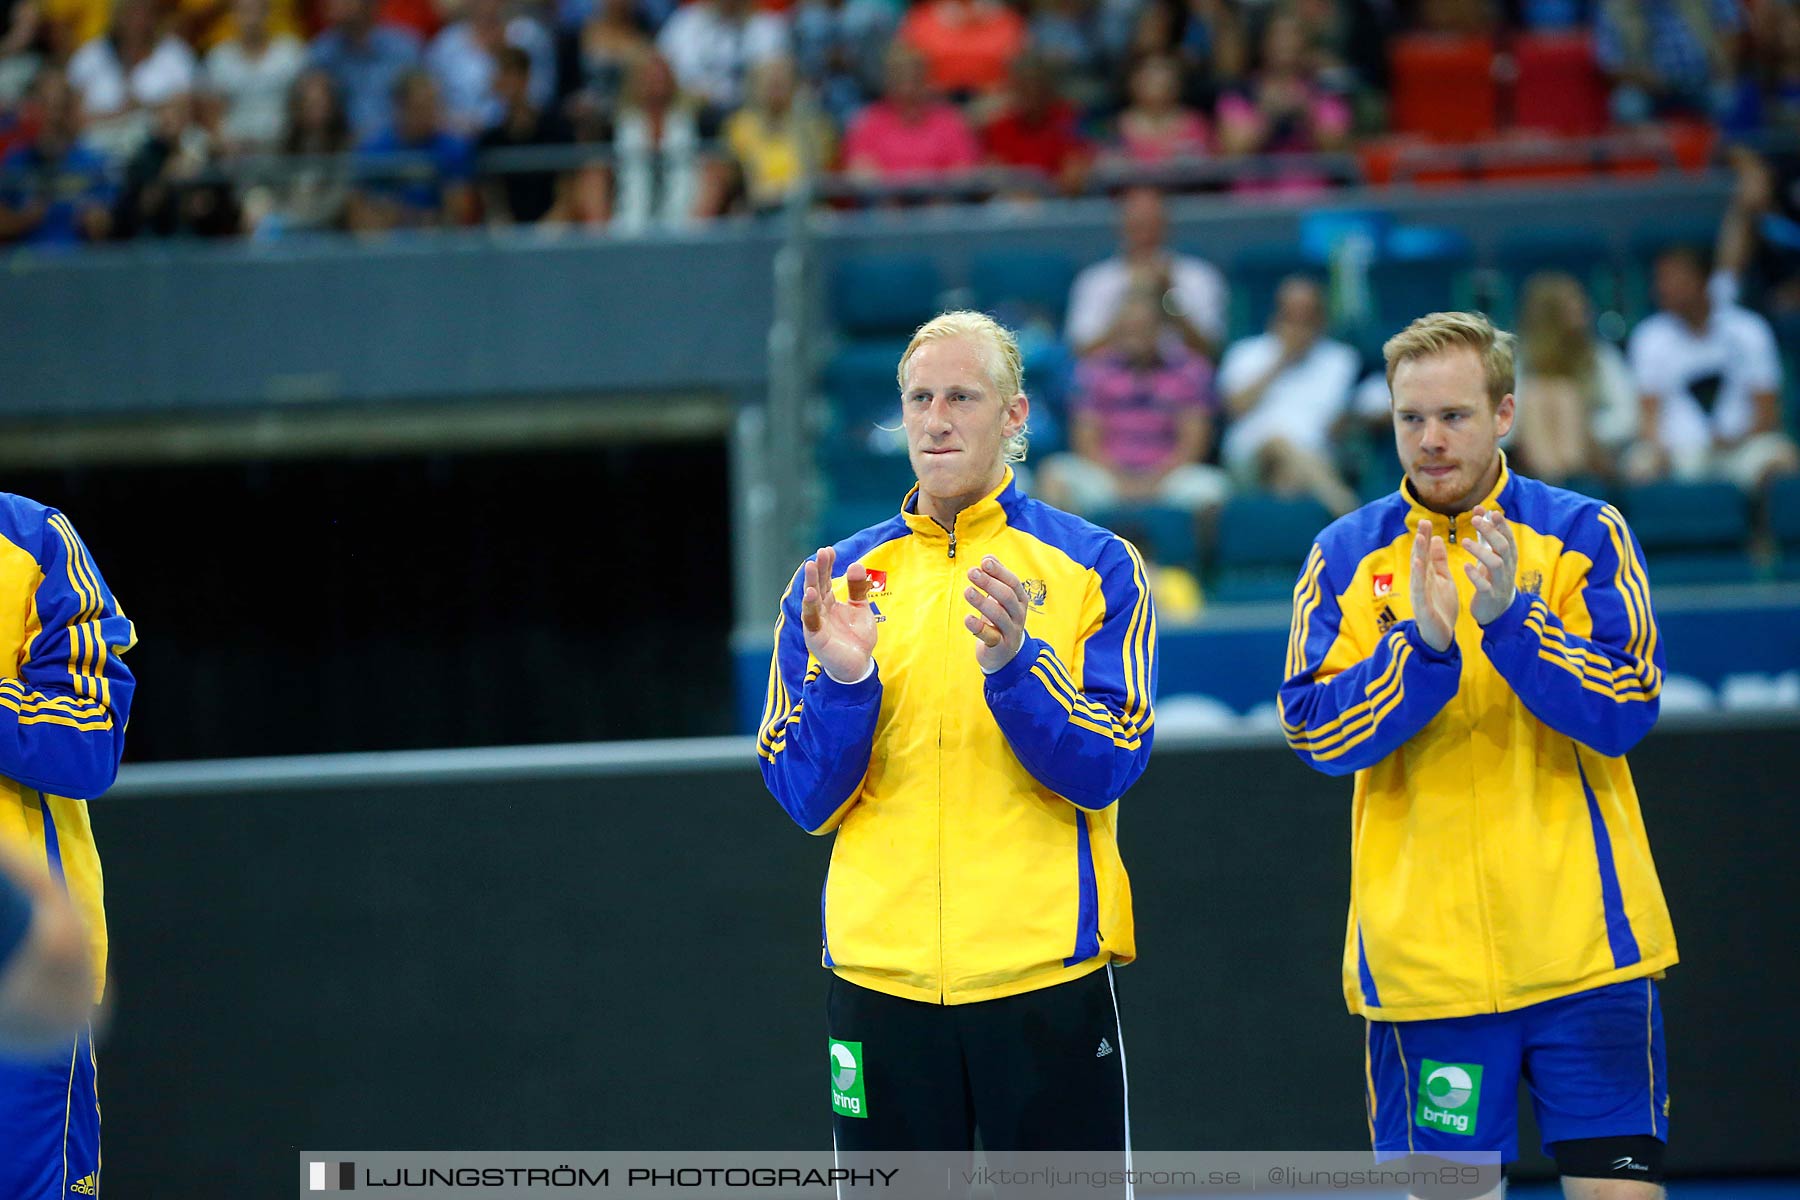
pixel 454 536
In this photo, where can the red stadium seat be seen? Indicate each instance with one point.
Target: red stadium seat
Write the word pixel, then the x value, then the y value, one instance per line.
pixel 1558 89
pixel 1443 87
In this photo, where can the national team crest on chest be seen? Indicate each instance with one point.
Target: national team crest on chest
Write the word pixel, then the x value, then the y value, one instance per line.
pixel 1531 582
pixel 1036 592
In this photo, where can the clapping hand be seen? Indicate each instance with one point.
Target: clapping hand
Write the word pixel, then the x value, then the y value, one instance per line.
pixel 839 634
pixel 1434 599
pixel 1495 568
pixel 999 617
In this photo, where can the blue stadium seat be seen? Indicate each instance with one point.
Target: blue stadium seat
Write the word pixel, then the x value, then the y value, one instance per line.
pixel 1164 534
pixel 1589 259
pixel 856 476
pixel 1013 285
pixel 1254 276
pixel 1261 542
pixel 1784 523
pixel 885 294
pixel 1405 288
pixel 1691 532
pixel 860 384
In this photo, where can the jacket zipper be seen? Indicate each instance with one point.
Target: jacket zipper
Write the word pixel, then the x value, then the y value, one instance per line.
pixel 943 968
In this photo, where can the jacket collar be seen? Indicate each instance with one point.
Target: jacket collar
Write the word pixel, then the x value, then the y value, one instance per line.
pixel 978 522
pixel 1461 526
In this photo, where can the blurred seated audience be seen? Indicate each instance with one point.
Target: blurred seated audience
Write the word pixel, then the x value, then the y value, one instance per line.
pixel 777 137
pixel 662 176
pixel 1070 37
pixel 164 194
pixel 208 24
pixel 1284 109
pixel 25 37
pixel 839 45
pixel 123 77
pixel 1156 126
pixel 1766 92
pixel 1709 379
pixel 1577 409
pixel 1285 392
pixel 908 133
pixel 365 60
pixel 417 173
pixel 598 57
pixel 1662 57
pixel 54 189
pixel 966 44
pixel 252 73
pixel 712 44
pixel 1037 130
pixel 516 197
pixel 463 60
pixel 1141 422
pixel 1213 48
pixel 312 192
pixel 1192 289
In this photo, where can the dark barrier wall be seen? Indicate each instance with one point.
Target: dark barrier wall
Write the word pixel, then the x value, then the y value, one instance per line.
pixel 631 962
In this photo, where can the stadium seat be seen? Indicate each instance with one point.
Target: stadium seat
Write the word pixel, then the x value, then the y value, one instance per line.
pixel 1164 534
pixel 1589 259
pixel 865 476
pixel 1260 544
pixel 1691 532
pixel 878 295
pixel 1255 276
pixel 860 384
pixel 1404 288
pixel 1784 523
pixel 1443 87
pixel 1014 284
pixel 1558 88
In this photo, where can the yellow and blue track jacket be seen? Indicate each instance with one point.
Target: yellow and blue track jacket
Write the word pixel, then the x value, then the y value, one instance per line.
pixel 976 815
pixel 1499 857
pixel 65 694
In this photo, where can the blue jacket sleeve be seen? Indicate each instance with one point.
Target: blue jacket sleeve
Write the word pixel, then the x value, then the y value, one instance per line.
pixel 1602 690
pixel 1340 720
pixel 816 733
pixel 1088 743
pixel 62 720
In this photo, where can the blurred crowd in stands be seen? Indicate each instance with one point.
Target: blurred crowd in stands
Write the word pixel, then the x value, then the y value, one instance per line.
pixel 1157 409
pixel 123 118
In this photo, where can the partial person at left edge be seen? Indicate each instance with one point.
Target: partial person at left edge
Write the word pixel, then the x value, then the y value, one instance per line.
pixel 65 695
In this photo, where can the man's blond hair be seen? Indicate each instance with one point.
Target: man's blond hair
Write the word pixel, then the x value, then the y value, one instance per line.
pixel 1438 332
pixel 1006 368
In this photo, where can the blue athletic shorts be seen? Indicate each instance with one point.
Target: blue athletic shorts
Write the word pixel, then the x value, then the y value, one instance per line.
pixel 50 1125
pixel 1594 1062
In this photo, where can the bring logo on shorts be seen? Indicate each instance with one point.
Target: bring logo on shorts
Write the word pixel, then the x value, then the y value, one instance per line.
pixel 1449 1096
pixel 847 1098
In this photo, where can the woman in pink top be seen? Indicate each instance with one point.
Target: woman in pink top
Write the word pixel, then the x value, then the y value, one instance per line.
pixel 908 133
pixel 1157 127
pixel 1283 110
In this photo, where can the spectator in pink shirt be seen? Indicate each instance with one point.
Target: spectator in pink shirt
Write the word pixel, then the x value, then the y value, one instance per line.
pixel 1282 109
pixel 1141 422
pixel 1157 127
pixel 909 133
